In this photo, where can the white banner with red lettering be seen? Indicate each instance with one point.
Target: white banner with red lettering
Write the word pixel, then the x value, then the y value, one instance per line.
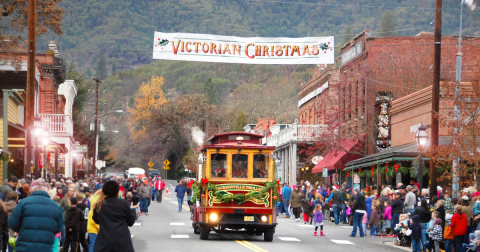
pixel 246 50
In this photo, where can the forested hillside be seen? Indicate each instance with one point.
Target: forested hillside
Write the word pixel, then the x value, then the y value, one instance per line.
pixel 123 29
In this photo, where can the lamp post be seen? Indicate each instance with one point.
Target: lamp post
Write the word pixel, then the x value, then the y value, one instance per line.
pixel 421 137
pixel 45 140
pixel 74 163
pixel 37 132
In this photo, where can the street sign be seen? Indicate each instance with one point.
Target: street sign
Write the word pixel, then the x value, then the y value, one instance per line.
pixel 166 167
pixel 325 172
pixel 80 148
pixel 166 162
pixel 150 164
pixel 100 163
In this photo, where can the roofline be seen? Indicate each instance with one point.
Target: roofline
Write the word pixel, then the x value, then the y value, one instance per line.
pixel 235 133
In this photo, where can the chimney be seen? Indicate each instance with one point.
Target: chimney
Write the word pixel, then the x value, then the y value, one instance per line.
pixel 53 46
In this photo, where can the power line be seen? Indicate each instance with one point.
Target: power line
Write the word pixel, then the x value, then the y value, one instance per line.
pixel 342 5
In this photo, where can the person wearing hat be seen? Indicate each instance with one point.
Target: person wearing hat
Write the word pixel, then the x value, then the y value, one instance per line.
pixel 336 198
pixel 114 217
pixel 22 185
pixel 145 193
pixel 36 219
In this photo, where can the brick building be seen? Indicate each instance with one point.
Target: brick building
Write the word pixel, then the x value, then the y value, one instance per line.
pixel 376 71
pixel 317 97
pixel 52 104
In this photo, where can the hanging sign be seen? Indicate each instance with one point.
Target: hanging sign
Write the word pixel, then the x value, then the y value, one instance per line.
pixel 245 50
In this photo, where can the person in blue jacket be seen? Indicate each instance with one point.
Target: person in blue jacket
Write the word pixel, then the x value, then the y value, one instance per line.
pixel 286 192
pixel 37 219
pixel 180 189
pixel 368 202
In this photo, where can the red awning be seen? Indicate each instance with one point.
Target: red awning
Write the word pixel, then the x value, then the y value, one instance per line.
pixel 332 159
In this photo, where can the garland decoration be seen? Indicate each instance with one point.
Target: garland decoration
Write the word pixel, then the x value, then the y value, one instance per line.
pixel 4 156
pixel 238 198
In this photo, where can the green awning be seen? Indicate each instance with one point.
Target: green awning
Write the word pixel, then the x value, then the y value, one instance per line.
pixel 382 161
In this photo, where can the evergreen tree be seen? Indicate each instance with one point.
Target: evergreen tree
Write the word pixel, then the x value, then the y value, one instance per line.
pixel 240 121
pixel 387 25
pixel 101 69
pixel 211 92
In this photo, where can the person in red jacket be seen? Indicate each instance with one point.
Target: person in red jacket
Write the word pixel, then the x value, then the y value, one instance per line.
pixel 459 225
pixel 159 187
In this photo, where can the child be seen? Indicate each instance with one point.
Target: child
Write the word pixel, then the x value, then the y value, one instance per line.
pixel 476 207
pixel 448 234
pixel 307 209
pixel 374 223
pixel 387 216
pixel 431 224
pixel 73 221
pixel 459 225
pixel 318 218
pixel 364 223
pixel 349 211
pixel 416 234
pixel 436 234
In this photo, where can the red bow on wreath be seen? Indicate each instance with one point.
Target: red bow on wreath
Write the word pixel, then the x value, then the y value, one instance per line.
pixel 204 181
pixel 372 170
pixel 348 174
pixel 386 166
pixel 278 182
pixel 396 167
pixel 359 170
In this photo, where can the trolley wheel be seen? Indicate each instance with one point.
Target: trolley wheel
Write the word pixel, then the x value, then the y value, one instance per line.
pixel 195 228
pixel 268 235
pixel 204 232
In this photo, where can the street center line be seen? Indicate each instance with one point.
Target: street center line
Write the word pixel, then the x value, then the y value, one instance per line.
pixel 247 246
pixel 254 246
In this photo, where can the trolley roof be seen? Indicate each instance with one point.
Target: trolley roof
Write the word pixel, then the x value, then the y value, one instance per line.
pixel 229 140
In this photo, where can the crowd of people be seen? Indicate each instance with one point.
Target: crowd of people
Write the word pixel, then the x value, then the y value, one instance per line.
pixel 415 219
pixel 67 214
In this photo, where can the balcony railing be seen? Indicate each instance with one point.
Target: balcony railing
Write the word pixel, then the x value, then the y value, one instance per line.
pixel 57 124
pixel 296 133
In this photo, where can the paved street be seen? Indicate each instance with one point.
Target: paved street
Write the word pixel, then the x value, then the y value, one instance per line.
pixel 166 229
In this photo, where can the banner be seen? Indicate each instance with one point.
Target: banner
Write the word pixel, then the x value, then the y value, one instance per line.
pixel 252 50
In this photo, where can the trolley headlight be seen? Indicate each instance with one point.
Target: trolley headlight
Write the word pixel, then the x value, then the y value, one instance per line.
pixel 264 218
pixel 213 217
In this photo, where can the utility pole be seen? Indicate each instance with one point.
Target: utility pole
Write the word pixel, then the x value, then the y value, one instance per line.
pixel 30 102
pixel 96 123
pixel 436 94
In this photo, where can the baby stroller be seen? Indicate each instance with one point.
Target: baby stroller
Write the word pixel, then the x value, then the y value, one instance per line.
pixel 405 240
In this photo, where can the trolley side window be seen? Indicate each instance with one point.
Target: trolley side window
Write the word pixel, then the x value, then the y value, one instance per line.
pixel 260 166
pixel 218 165
pixel 239 166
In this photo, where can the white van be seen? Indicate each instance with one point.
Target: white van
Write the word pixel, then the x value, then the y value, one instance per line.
pixel 134 172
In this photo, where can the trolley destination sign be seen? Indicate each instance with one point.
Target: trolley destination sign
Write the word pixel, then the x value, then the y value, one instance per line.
pixel 246 50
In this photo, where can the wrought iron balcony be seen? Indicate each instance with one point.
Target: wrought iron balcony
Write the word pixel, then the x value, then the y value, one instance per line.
pixel 57 124
pixel 294 133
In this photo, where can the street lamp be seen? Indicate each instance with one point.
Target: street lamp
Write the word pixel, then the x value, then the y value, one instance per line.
pixel 37 132
pixel 74 163
pixel 422 137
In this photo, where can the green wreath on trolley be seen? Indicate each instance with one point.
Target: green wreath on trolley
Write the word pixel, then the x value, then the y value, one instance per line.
pixel 237 198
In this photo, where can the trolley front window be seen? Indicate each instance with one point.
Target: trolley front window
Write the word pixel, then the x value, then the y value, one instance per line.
pixel 218 165
pixel 239 166
pixel 260 166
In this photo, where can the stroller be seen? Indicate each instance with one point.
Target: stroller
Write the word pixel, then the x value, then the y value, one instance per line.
pixel 405 240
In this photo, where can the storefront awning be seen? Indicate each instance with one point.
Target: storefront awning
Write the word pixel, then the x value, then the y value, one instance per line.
pixel 336 159
pixel 406 152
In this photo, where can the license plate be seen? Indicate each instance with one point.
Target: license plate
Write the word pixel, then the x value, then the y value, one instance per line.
pixel 248 218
